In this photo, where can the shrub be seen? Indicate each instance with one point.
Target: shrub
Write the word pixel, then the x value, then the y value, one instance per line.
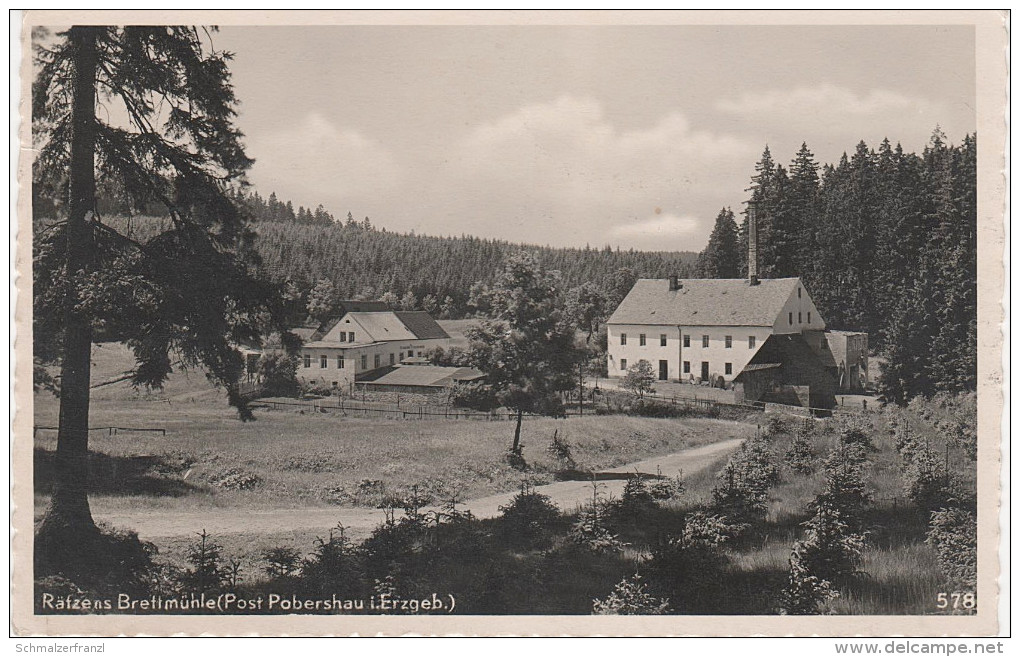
pixel 688 566
pixel 630 597
pixel 590 531
pixel 333 567
pixel 806 593
pixel 207 573
pixel 930 486
pixel 830 550
pixel 856 429
pixel 560 450
pixel 667 488
pixel 281 562
pixel 101 560
pixel 801 454
pixel 527 520
pixel 741 491
pixel 846 490
pixel 278 373
pixel 640 378
pixel 953 534
pixel 775 425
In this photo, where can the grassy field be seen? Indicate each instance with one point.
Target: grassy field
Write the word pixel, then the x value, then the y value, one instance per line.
pixel 294 458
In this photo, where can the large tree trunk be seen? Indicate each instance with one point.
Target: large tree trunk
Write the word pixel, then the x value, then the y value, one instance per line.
pixel 69 514
pixel 516 449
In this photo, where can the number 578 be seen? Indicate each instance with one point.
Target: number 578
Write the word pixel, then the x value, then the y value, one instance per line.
pixel 956 600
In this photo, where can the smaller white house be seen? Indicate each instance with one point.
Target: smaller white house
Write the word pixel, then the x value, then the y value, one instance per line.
pixel 340 351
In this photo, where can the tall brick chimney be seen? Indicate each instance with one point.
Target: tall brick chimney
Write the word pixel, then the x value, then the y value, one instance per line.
pixel 752 245
pixel 674 283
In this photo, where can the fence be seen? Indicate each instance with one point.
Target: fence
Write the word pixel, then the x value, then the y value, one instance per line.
pixel 112 431
pixel 388 412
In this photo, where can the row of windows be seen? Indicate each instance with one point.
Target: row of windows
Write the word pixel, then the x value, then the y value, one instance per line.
pixel 800 318
pixel 642 339
pixel 751 340
pixel 727 367
pixel 346 336
pixel 340 363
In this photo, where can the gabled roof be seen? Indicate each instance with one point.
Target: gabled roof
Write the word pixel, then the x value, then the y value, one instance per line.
pixel 705 302
pixel 421 324
pixel 427 375
pixel 383 326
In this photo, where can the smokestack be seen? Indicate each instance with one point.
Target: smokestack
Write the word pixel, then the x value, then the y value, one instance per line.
pixel 674 283
pixel 752 245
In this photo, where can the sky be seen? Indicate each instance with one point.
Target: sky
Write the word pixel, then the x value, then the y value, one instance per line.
pixel 632 136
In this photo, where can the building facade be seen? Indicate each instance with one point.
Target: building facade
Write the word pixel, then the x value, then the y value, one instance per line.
pixel 343 350
pixel 701 330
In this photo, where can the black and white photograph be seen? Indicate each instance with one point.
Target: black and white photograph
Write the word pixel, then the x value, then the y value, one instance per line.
pixel 456 322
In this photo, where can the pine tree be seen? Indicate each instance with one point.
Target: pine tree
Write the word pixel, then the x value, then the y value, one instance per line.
pixel 722 256
pixel 178 148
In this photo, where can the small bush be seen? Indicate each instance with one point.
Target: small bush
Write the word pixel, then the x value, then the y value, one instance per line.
pixel 333 567
pixel 688 567
pixel 235 479
pixel 806 593
pixel 527 521
pixel 846 490
pixel 830 550
pixel 281 562
pixel 856 429
pixel 667 488
pixel 930 486
pixel 775 425
pixel 630 597
pixel 207 573
pixel 801 454
pixel 953 534
pixel 560 450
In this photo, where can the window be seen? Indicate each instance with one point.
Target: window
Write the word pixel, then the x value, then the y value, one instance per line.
pixel 623 339
pixel 800 318
pixel 809 317
pixel 364 361
pixel 393 359
pixel 791 319
pixel 308 360
pixel 729 368
pixel 340 362
pixel 729 341
pixel 704 341
pixel 750 342
pixel 343 336
pixel 798 292
pixel 623 363
pixel 641 339
pixel 662 339
pixel 376 360
pixel 401 357
pixel 687 341
pixel 350 336
pixel 687 367
pixel 323 361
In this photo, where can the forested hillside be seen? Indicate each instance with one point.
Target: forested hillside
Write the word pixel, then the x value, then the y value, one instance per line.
pixel 886 242
pixel 365 261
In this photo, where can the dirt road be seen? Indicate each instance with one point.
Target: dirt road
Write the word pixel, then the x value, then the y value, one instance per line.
pixel 566 494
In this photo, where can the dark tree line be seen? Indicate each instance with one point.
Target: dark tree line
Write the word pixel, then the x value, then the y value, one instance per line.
pixel 425 272
pixel 887 243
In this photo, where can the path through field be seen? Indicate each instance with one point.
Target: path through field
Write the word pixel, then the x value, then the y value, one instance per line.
pixel 568 495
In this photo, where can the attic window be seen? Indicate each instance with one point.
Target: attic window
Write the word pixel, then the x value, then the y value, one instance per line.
pixel 798 292
pixel 791 319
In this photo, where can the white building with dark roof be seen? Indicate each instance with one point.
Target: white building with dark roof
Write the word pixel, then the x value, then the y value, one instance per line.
pixel 344 349
pixel 703 329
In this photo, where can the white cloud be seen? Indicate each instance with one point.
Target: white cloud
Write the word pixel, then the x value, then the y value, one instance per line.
pixel 826 98
pixel 313 159
pixel 563 169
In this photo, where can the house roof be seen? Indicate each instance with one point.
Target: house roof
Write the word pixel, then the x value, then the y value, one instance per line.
pixel 383 326
pixel 705 302
pixel 421 324
pixel 427 375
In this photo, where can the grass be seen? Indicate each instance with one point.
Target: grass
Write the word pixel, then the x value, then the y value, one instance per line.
pixel 291 458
